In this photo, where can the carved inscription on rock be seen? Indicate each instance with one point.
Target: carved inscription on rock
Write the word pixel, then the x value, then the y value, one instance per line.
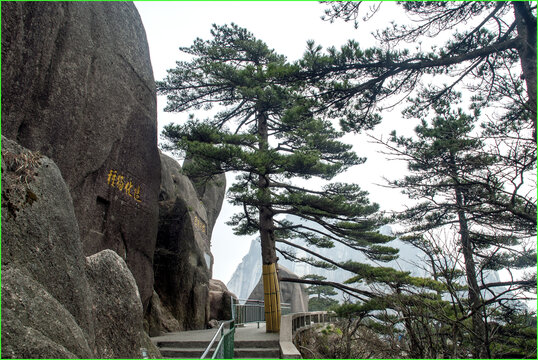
pixel 121 183
pixel 200 224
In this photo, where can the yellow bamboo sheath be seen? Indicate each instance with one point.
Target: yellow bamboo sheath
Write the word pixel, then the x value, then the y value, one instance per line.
pixel 275 301
pixel 267 299
pixel 271 298
pixel 278 309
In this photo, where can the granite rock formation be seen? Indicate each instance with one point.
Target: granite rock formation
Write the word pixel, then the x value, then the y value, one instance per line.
pixel 56 303
pixel 77 86
pixel 220 301
pixel 211 193
pixel 78 92
pixel 35 324
pixel 248 273
pixel 159 319
pixel 183 260
pixel 116 305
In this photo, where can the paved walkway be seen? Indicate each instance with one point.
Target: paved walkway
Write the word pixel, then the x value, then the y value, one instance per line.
pixel 250 332
pixel 247 332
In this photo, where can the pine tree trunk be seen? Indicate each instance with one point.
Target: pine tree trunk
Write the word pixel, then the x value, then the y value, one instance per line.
pixel 481 349
pixel 270 279
pixel 415 349
pixel 526 29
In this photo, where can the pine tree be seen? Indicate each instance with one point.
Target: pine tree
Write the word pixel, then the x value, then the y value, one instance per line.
pixel 451 170
pixel 488 47
pixel 322 299
pixel 265 130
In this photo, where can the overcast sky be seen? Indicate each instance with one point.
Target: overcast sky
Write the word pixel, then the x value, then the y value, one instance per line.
pixel 285 27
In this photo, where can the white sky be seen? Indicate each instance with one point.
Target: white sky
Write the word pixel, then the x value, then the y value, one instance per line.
pixel 285 27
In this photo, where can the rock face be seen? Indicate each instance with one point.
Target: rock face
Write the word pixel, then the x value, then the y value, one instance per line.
pixel 291 293
pixel 159 319
pixel 55 302
pixel 30 332
pixel 77 86
pixel 220 300
pixel 40 235
pixel 211 193
pixel 183 260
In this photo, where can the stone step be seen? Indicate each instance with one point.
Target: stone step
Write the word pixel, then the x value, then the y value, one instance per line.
pixel 251 342
pixel 242 350
pixel 245 353
pixel 182 344
pixel 183 353
pixel 256 353
pixel 240 344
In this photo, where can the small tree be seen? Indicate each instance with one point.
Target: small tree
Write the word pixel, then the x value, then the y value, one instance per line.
pixel 267 132
pixel 322 299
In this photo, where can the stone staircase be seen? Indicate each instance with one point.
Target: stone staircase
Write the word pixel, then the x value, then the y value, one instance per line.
pixel 184 349
pixel 243 349
pixel 250 343
pixel 252 349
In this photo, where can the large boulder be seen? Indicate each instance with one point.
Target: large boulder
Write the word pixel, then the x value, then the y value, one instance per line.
pixel 117 309
pixel 77 86
pixel 292 293
pixel 40 235
pixel 35 324
pixel 220 301
pixel 56 303
pixel 183 259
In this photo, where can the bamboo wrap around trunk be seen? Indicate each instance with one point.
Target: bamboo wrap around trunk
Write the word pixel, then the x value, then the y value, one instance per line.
pixel 271 291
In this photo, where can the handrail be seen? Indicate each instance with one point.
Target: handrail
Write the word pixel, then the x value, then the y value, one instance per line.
pixel 256 301
pixel 219 331
pixel 225 347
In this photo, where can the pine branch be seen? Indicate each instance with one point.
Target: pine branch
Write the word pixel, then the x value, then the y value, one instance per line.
pixel 347 289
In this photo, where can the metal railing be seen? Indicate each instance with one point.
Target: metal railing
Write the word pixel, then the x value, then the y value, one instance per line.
pixel 253 310
pixel 301 321
pixel 225 347
pixel 250 311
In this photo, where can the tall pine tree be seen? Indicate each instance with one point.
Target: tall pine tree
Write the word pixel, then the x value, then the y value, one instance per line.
pixel 266 131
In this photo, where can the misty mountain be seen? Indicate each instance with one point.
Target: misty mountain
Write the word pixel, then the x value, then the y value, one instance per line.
pixel 248 272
